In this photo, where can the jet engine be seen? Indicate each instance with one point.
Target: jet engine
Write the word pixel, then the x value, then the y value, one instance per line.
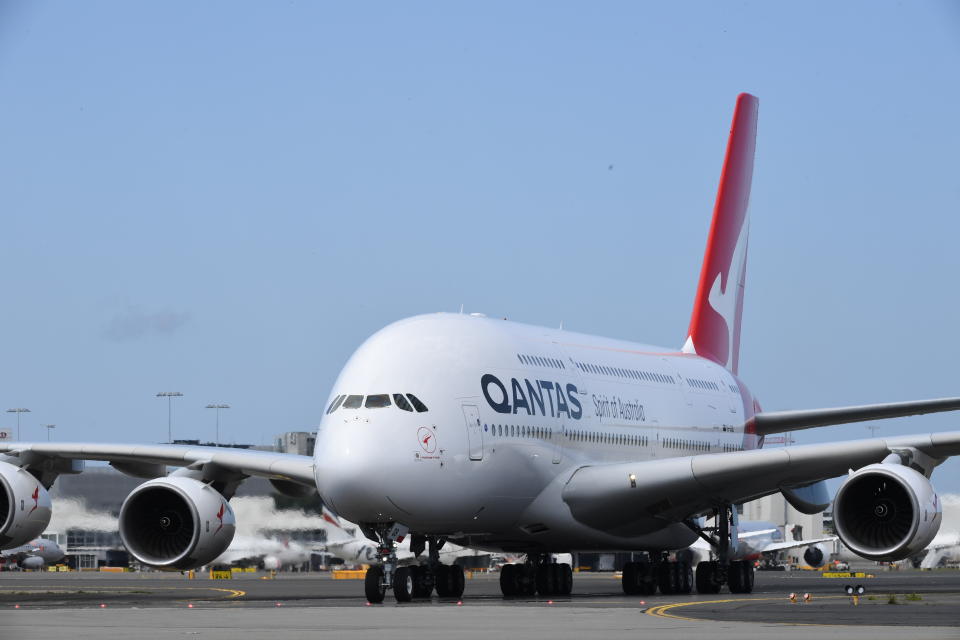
pixel 886 512
pixel 24 506
pixel 816 555
pixel 32 562
pixel 176 522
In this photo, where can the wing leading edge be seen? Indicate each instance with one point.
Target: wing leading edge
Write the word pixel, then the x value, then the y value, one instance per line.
pixel 140 460
pixel 782 421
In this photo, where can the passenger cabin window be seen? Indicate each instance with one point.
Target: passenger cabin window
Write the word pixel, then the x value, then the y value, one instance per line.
pixel 353 402
pixel 377 401
pixel 415 401
pixel 401 402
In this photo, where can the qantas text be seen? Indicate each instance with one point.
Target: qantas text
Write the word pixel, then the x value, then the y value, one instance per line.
pixel 537 397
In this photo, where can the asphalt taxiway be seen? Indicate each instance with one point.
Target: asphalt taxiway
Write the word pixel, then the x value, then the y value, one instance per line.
pixel 157 605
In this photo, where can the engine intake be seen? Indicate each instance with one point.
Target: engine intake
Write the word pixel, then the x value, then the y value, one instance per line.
pixel 24 506
pixel 176 523
pixel 886 512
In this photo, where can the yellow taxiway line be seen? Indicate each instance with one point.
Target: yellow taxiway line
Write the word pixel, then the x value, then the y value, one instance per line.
pixel 233 593
pixel 663 610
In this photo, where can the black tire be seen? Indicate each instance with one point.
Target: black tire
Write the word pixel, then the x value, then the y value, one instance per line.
pixel 403 584
pixel 542 579
pixel 647 578
pixel 555 582
pixel 707 578
pixel 422 581
pixel 631 578
pixel 745 572
pixel 456 581
pixel 667 578
pixel 442 579
pixel 528 581
pixel 566 580
pixel 373 585
pixel 685 575
pixel 508 581
pixel 735 577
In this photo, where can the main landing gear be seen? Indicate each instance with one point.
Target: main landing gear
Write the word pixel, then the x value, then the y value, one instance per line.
pixel 644 578
pixel 538 575
pixel 713 574
pixel 409 582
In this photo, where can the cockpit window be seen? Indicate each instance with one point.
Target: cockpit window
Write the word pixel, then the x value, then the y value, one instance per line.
pixel 336 403
pixel 353 402
pixel 378 401
pixel 415 401
pixel 401 402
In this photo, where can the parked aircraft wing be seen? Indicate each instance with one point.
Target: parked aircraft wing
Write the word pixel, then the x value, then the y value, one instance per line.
pixel 278 466
pixel 624 498
pixel 794 544
pixel 783 421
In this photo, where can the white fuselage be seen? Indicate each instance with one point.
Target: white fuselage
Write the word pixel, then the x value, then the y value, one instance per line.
pixel 513 411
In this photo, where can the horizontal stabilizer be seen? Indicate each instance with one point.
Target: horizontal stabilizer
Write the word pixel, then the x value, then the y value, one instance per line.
pixel 783 421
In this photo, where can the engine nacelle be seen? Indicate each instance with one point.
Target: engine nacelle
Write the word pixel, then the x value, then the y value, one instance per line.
pixel 816 555
pixel 24 506
pixel 886 512
pixel 176 523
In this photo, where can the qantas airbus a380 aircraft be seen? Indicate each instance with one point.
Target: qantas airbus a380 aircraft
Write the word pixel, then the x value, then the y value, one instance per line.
pixel 536 441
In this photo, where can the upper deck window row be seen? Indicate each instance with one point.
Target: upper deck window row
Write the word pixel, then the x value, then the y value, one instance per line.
pixel 540 361
pixel 703 384
pixel 620 372
pixel 404 402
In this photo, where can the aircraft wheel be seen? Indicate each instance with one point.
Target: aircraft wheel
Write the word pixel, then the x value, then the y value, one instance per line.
pixel 457 580
pixel 566 580
pixel 422 581
pixel 685 574
pixel 631 578
pixel 542 579
pixel 442 579
pixel 667 578
pixel 740 577
pixel 707 577
pixel 373 585
pixel 403 584
pixel 509 580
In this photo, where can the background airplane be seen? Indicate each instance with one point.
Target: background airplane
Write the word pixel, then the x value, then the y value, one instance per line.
pixel 34 555
pixel 756 539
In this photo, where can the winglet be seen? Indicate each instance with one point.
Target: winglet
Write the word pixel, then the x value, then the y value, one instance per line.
pixel 715 325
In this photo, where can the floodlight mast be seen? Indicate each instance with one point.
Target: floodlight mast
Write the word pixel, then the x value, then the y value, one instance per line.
pixel 218 407
pixel 169 395
pixel 18 411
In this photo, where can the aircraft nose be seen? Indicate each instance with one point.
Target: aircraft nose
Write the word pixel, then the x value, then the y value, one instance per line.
pixel 353 471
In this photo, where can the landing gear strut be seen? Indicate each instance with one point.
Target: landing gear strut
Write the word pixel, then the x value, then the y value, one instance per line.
pixel 713 574
pixel 538 575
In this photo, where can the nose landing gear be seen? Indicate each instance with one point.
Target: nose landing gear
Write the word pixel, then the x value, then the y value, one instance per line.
pixel 409 582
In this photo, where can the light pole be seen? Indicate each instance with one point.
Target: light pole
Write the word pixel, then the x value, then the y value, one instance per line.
pixel 218 407
pixel 18 411
pixel 169 395
pixel 49 427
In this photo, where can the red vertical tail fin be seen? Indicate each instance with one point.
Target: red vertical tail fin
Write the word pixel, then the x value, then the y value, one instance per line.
pixel 715 326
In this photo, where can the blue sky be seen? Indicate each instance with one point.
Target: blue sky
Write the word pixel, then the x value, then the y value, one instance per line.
pixel 226 198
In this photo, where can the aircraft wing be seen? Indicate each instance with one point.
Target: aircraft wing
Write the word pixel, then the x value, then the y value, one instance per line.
pixel 783 421
pixel 149 460
pixel 622 498
pixel 794 544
